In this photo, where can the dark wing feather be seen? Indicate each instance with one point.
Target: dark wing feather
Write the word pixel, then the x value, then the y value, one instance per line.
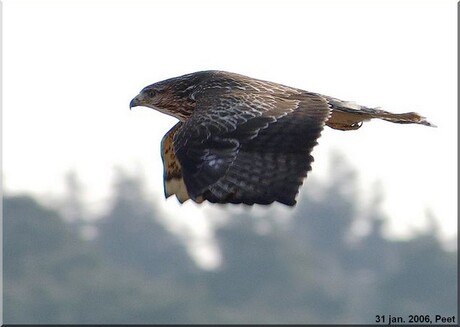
pixel 249 147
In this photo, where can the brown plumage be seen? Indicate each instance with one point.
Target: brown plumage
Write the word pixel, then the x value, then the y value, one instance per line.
pixel 243 140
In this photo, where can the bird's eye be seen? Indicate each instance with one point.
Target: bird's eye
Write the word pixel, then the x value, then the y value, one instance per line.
pixel 151 93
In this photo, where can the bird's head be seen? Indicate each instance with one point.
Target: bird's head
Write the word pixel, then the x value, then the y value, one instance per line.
pixel 174 96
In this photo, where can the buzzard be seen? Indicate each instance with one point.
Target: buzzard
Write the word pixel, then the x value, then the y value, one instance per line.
pixel 244 140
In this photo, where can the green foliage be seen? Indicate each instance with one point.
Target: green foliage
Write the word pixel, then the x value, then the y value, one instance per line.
pixel 131 235
pixel 135 271
pixel 52 277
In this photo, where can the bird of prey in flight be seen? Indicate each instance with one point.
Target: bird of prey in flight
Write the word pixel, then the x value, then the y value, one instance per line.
pixel 244 140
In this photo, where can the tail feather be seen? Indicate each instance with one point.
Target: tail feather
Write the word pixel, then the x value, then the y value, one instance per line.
pixel 406 118
pixel 348 116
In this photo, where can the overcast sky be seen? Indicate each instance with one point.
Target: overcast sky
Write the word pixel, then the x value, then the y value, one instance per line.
pixel 70 69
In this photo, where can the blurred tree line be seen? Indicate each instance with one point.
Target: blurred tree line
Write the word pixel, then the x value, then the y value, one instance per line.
pixel 305 270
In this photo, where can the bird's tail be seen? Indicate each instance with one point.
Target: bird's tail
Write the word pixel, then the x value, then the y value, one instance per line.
pixel 404 118
pixel 348 116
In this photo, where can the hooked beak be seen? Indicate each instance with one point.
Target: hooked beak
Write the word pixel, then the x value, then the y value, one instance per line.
pixel 134 103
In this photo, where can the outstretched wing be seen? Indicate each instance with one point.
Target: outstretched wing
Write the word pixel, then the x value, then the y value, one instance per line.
pixel 249 147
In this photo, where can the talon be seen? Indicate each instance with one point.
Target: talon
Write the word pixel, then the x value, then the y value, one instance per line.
pixel 356 125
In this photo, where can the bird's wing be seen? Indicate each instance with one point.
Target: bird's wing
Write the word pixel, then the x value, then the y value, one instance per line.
pixel 249 147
